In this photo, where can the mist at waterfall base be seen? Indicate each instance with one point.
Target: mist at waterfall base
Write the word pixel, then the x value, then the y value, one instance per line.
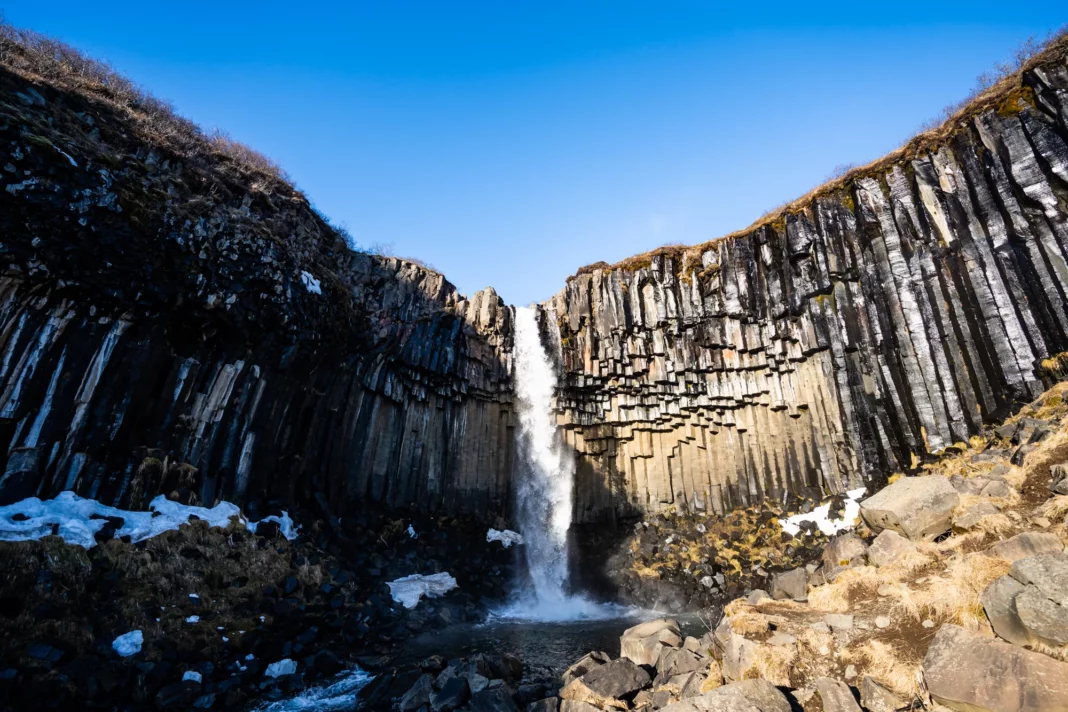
pixel 544 486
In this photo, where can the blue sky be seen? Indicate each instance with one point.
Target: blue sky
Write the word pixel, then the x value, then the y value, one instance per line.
pixel 509 143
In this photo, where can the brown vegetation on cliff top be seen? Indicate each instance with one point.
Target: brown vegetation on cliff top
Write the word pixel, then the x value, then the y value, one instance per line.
pixel 1002 90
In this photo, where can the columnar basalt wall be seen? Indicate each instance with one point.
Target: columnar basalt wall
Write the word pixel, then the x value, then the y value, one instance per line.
pixel 884 319
pixel 157 304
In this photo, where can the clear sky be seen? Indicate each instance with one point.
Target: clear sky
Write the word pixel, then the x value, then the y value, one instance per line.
pixel 508 143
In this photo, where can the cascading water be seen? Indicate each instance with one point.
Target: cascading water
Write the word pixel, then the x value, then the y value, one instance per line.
pixel 545 472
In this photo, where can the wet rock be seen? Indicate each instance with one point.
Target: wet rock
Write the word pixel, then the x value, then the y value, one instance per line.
pixel 915 507
pixel 971 673
pixel 790 585
pixel 643 643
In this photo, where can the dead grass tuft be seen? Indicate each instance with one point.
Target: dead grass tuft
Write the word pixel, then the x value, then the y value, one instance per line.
pixel 852 586
pixel 888 664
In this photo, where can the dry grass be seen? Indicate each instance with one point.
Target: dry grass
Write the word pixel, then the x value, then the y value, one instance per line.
pixel 953 596
pixel 775 663
pixel 1054 509
pixel 851 587
pixel 888 664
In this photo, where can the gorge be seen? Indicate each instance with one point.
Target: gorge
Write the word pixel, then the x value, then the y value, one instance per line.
pixel 176 320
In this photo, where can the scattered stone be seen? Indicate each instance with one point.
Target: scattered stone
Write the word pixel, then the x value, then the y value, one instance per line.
pixel 791 585
pixel 888 547
pixel 1026 545
pixel 1041 522
pixel 549 704
pixel 998 489
pixel 780 638
pixel 452 695
pixel 972 673
pixel 928 623
pixel 1059 482
pixel 968 485
pixel 642 643
pixel 845 550
pixel 839 621
pixel 418 695
pixel 495 699
pixel 915 507
pixel 757 596
pixel 882 622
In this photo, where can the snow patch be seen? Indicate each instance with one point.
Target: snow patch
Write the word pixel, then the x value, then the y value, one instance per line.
pixel 411 532
pixel 128 644
pixel 285 525
pixel 408 590
pixel 310 282
pixel 820 515
pixel 506 537
pixel 192 619
pixel 282 667
pixel 192 676
pixel 71 517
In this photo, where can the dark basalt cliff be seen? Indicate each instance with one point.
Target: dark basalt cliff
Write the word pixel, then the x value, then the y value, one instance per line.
pixel 881 320
pixel 161 299
pixel 158 304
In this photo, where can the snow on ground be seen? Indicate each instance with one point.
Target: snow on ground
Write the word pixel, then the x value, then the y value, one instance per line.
pixel 310 282
pixel 128 644
pixel 71 516
pixel 192 619
pixel 506 537
pixel 285 525
pixel 282 667
pixel 411 532
pixel 819 515
pixel 338 695
pixel 408 590
pixel 192 676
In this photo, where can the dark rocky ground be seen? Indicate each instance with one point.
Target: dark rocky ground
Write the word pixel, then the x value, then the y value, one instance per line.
pixel 320 600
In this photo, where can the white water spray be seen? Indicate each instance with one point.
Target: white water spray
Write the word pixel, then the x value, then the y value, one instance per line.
pixel 545 480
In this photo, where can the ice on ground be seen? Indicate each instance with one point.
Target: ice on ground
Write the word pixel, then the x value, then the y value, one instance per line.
pixel 128 644
pixel 408 590
pixel 282 667
pixel 192 676
pixel 506 537
pixel 72 519
pixel 192 619
pixel 285 525
pixel 310 282
pixel 411 532
pixel 194 595
pixel 820 515
pixel 338 695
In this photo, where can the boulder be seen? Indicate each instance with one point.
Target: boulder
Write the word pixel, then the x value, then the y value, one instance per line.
pixel 495 699
pixel 915 507
pixel 1047 571
pixel 844 550
pixel 792 585
pixel 418 695
pixel 618 679
pixel 757 595
pixel 876 698
pixel 999 602
pixel 968 485
pixel 830 695
pixel 642 643
pixel 549 704
pixel 971 673
pixel 452 695
pixel 888 547
pixel 1045 620
pixel 744 696
pixel 970 517
pixel 998 489
pixel 1059 482
pixel 1026 545
pixel 583 665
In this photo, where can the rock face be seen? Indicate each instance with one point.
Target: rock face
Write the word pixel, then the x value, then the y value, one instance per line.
pixel 153 305
pixel 885 318
pixel 161 300
pixel 968 672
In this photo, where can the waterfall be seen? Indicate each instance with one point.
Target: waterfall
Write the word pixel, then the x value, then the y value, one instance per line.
pixel 545 473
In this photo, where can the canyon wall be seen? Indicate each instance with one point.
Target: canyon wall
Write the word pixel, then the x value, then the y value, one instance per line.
pixel 878 321
pixel 163 303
